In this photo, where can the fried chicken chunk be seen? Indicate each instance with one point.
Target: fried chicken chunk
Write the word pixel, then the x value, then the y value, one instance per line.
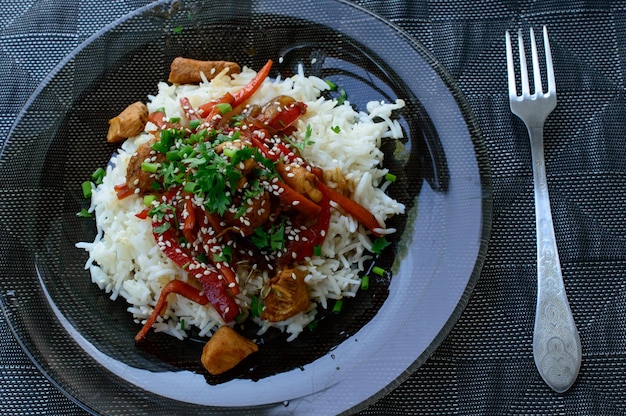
pixel 300 179
pixel 128 123
pixel 287 295
pixel 136 177
pixel 225 350
pixel 187 71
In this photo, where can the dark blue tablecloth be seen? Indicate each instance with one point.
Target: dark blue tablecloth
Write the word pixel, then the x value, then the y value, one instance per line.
pixel 485 366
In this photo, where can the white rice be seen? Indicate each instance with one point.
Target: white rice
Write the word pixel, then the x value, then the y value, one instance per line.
pixel 125 261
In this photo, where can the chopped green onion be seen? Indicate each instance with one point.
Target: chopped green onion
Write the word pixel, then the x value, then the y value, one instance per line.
pixel 332 85
pixel 336 129
pixel 194 124
pixel 155 186
pixel 338 306
pixel 189 187
pixel 160 110
pixel 172 156
pixel 378 270
pixel 342 97
pixel 150 167
pixel 149 199
pixel 230 152
pixel 313 324
pixel 317 250
pixel 203 258
pixel 223 108
pixel 160 146
pixel 83 213
pixel 177 30
pixel 182 324
pixel 256 307
pixel 175 120
pixel 162 228
pixel 87 188
pixel 390 177
pixel 365 282
pixel 98 175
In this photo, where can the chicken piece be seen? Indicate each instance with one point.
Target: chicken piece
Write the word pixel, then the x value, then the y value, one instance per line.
pixel 187 71
pixel 287 295
pixel 300 179
pixel 128 123
pixel 137 178
pixel 225 350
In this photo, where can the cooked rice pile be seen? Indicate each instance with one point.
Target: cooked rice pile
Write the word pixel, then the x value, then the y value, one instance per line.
pixel 125 261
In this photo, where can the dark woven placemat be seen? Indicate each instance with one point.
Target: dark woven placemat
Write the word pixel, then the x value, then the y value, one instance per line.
pixel 485 366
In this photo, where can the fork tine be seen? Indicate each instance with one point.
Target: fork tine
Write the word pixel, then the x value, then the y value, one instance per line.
pixel 522 64
pixel 510 67
pixel 536 67
pixel 549 67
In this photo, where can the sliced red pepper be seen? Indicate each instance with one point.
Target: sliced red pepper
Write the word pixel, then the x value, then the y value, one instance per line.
pixel 158 118
pixel 188 109
pixel 213 220
pixel 353 208
pixel 215 287
pixel 287 116
pixel 173 286
pixel 189 224
pixel 265 151
pixel 212 109
pixel 246 92
pixel 222 266
pixel 143 214
pixel 289 197
pixel 313 235
pixel 288 154
pixel 122 191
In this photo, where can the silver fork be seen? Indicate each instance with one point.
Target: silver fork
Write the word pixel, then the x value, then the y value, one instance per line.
pixel 556 343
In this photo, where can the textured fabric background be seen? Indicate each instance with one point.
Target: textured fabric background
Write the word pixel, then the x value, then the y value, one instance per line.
pixel 485 366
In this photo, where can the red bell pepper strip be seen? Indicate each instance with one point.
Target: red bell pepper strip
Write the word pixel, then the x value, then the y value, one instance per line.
pixel 265 151
pixel 143 214
pixel 188 109
pixel 289 197
pixel 189 224
pixel 214 285
pixel 211 109
pixel 285 118
pixel 353 208
pixel 246 92
pixel 287 153
pixel 222 266
pixel 158 118
pixel 313 235
pixel 122 191
pixel 173 286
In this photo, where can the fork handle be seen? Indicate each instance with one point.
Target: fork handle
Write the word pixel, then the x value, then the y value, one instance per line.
pixel 556 343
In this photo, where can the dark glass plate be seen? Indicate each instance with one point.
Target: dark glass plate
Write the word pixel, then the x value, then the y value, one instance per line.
pixel 83 341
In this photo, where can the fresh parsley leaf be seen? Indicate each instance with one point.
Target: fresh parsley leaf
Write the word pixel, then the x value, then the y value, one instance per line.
pixel 160 229
pixel 83 213
pixel 272 239
pixel 379 245
pixel 226 255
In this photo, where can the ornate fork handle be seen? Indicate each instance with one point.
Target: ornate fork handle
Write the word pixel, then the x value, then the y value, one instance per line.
pixel 556 343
